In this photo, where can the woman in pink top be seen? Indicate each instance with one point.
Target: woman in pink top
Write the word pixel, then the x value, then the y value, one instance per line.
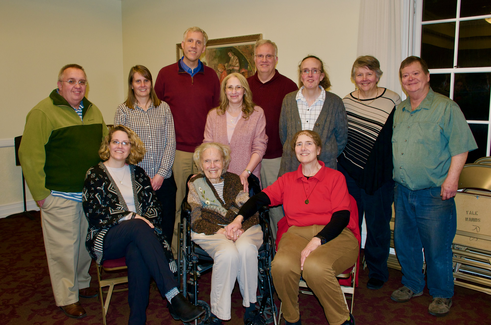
pixel 237 122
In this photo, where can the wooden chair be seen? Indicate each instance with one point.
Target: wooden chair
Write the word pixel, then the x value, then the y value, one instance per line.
pixel 110 266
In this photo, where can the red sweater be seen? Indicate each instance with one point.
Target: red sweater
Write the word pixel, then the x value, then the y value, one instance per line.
pixel 269 96
pixel 190 99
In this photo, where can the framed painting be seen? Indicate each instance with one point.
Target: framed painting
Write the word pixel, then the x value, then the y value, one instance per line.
pixel 228 55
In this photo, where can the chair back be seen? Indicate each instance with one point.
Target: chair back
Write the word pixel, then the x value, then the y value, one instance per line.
pixel 483 161
pixel 475 176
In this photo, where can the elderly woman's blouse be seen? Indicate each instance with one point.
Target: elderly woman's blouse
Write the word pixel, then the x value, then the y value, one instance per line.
pixel 210 211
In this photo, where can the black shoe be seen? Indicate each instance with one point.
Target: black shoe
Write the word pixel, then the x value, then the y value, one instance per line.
pixel 181 309
pixel 351 320
pixel 299 322
pixel 213 320
pixel 254 318
pixel 375 284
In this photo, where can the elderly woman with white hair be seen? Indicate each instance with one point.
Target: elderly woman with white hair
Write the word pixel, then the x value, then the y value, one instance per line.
pixel 216 196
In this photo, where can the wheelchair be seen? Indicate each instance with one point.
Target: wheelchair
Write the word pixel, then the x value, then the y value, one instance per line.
pixel 194 261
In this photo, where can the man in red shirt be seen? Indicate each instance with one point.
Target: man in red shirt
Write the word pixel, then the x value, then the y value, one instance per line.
pixel 268 88
pixel 191 89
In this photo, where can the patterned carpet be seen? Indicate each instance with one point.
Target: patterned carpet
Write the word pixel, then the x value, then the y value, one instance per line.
pixel 26 296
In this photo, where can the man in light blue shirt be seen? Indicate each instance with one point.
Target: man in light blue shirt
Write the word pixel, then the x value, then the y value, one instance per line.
pixel 430 142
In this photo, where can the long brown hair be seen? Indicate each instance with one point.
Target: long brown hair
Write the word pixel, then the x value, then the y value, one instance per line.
pixel 130 101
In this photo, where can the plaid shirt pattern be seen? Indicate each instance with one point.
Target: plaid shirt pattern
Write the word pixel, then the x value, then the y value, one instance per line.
pixel 155 127
pixel 308 115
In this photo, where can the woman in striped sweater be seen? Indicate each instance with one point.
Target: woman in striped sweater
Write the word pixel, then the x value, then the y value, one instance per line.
pixel 366 161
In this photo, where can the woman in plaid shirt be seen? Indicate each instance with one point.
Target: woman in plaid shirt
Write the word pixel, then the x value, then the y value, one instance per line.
pixel 152 121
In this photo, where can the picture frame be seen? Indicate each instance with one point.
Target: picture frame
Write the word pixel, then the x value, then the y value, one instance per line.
pixel 227 55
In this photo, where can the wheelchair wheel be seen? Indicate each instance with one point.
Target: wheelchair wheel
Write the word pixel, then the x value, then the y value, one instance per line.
pixel 202 320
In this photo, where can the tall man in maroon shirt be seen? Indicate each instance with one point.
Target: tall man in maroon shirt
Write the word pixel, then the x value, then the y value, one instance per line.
pixel 191 89
pixel 268 88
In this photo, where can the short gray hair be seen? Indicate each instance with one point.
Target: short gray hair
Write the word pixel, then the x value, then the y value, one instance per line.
pixel 266 41
pixel 195 29
pixel 224 150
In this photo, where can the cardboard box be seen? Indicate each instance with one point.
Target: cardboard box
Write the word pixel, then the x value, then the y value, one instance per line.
pixel 473 219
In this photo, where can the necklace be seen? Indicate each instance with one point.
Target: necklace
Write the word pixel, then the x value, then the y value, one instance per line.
pixel 122 178
pixel 307 196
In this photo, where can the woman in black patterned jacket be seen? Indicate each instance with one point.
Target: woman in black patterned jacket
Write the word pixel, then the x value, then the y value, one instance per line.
pixel 123 214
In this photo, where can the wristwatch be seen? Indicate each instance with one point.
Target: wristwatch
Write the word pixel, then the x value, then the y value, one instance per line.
pixel 248 171
pixel 322 238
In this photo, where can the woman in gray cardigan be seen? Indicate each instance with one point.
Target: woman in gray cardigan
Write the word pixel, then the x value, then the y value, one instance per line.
pixel 314 108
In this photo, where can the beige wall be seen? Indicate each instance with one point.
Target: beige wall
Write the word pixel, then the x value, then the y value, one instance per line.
pixel 107 37
pixel 326 28
pixel 38 38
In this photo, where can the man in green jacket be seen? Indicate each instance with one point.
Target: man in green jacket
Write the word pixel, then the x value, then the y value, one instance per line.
pixel 61 140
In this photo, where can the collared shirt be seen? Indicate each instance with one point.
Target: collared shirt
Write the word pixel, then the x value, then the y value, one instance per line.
pixel 326 192
pixel 155 127
pixel 424 141
pixel 309 114
pixel 192 72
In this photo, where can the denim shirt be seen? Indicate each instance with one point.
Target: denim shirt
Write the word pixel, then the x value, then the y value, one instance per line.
pixel 425 139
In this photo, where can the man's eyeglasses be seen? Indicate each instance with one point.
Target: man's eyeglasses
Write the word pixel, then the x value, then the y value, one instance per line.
pixel 117 143
pixel 308 71
pixel 262 56
pixel 73 82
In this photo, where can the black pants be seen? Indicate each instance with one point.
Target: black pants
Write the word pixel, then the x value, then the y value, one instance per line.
pixel 145 259
pixel 167 197
pixel 377 209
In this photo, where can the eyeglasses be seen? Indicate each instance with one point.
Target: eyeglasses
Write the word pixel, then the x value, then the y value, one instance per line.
pixel 72 82
pixel 117 143
pixel 308 71
pixel 232 88
pixel 262 56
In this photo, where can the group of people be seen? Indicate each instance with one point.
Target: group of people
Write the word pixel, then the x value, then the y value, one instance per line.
pixel 106 194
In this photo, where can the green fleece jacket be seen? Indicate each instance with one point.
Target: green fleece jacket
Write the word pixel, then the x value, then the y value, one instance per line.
pixel 58 148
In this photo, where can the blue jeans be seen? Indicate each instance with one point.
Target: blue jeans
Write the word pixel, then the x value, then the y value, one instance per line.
pixel 424 220
pixel 377 209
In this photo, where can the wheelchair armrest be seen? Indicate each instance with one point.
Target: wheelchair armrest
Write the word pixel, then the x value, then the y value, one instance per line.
pixel 185 211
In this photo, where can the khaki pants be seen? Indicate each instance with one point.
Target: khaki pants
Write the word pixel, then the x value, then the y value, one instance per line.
pixel 319 271
pixel 64 231
pixel 182 168
pixel 269 175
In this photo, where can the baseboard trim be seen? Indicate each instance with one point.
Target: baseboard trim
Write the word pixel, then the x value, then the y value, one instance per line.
pixel 5 143
pixel 14 208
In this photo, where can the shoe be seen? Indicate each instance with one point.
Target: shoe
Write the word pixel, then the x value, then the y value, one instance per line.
pixel 440 306
pixel 403 294
pixel 213 320
pixel 350 321
pixel 299 322
pixel 181 309
pixel 254 318
pixel 375 284
pixel 88 292
pixel 74 310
